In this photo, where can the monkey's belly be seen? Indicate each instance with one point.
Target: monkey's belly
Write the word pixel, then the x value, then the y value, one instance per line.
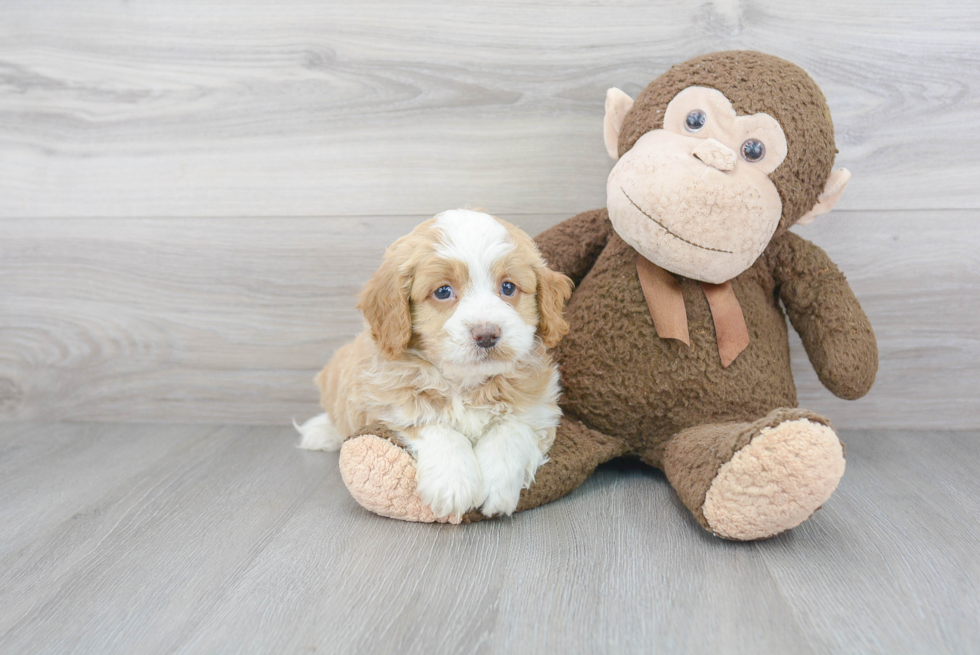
pixel 622 379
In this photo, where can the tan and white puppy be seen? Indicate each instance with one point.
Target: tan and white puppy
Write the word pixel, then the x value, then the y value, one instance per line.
pixel 454 359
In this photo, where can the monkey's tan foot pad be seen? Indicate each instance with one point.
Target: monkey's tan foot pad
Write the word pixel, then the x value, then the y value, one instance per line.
pixel 775 482
pixel 381 478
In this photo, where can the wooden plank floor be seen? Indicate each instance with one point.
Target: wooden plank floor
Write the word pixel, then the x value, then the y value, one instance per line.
pixel 163 539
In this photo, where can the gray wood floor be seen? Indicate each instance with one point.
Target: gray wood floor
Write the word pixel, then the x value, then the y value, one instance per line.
pixel 163 539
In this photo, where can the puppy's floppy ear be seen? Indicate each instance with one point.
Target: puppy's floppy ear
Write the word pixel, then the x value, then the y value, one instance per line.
pixel 554 290
pixel 384 303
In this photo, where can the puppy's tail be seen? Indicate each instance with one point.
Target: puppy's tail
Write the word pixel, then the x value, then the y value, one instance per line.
pixel 318 433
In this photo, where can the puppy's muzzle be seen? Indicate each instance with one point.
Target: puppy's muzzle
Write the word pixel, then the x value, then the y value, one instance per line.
pixel 486 335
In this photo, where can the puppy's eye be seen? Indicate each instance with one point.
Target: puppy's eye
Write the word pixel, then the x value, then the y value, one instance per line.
pixel 508 288
pixel 753 150
pixel 443 293
pixel 695 120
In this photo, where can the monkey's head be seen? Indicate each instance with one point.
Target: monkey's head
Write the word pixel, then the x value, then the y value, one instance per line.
pixel 716 156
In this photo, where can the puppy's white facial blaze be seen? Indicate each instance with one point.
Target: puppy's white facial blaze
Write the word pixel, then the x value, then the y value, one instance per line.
pixel 478 307
pixel 479 242
pixel 472 237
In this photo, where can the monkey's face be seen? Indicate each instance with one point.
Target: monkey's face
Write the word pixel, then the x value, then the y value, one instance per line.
pixel 695 197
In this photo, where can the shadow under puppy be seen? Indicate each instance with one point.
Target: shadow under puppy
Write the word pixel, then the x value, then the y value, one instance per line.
pixel 454 360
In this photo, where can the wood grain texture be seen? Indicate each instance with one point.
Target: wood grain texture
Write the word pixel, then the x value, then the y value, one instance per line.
pixel 44 471
pixel 300 108
pixel 223 320
pixel 191 193
pixel 216 319
pixel 229 540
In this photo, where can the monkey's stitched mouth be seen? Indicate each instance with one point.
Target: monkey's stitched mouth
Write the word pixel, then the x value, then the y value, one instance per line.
pixel 669 231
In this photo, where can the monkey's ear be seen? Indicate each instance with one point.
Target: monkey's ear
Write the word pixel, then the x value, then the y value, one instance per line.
pixel 832 191
pixel 617 105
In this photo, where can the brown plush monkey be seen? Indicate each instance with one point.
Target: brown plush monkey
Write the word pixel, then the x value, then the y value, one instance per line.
pixel 678 352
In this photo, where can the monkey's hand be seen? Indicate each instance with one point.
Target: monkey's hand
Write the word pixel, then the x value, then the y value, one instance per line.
pixel 821 306
pixel 572 246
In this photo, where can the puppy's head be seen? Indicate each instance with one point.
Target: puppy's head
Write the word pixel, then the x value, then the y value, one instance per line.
pixel 467 291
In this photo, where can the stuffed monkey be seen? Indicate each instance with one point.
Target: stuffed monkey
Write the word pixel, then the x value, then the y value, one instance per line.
pixel 678 353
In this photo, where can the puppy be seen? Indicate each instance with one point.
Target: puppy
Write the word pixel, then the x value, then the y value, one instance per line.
pixel 454 359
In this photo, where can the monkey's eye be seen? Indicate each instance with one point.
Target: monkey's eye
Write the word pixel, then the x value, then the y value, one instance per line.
pixel 695 120
pixel 753 150
pixel 443 293
pixel 508 288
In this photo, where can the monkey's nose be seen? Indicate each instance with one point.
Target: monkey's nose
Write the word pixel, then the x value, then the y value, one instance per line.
pixel 716 154
pixel 486 335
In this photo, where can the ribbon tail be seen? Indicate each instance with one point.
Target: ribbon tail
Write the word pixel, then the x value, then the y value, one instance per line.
pixel 730 328
pixel 665 300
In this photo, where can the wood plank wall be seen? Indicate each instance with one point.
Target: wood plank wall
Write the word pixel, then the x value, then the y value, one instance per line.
pixel 191 193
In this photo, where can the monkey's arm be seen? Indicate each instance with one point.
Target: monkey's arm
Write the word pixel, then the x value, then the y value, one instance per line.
pixel 835 331
pixel 572 246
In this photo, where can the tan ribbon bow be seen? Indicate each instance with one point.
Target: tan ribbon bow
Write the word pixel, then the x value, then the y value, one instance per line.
pixel 666 303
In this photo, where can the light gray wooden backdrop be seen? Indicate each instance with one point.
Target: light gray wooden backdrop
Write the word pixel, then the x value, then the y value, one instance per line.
pixel 191 193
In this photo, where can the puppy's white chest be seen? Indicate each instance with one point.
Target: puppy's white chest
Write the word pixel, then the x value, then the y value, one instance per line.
pixel 470 421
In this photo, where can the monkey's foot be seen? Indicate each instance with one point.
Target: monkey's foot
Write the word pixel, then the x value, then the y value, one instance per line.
pixel 748 481
pixel 775 482
pixel 381 478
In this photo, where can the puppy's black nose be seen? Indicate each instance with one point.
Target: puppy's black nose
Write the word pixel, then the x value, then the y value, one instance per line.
pixel 486 335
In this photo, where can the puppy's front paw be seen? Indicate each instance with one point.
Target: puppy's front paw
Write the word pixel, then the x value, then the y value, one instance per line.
pixel 509 457
pixel 502 496
pixel 450 483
